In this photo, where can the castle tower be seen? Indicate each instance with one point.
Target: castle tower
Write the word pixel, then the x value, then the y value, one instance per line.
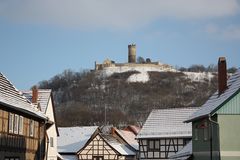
pixel 132 53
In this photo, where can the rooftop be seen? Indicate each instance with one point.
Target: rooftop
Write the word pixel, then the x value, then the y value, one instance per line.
pixel 43 97
pixel 216 100
pixel 167 123
pixel 121 148
pixel 13 98
pixel 72 139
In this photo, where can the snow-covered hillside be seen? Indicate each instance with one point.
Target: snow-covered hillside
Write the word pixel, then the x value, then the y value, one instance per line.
pixel 143 76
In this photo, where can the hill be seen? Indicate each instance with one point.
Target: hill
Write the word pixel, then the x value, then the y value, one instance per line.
pixel 85 98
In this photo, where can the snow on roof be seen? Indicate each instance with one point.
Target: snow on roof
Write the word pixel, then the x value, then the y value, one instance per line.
pixel 134 129
pixel 129 137
pixel 167 123
pixel 184 153
pixel 121 148
pixel 43 97
pixel 70 157
pixel 216 100
pixel 72 139
pixel 12 98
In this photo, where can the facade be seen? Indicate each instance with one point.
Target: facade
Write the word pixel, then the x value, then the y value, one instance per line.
pixel 22 125
pixel 164 133
pixel 89 143
pixel 106 147
pixel 44 100
pixel 216 124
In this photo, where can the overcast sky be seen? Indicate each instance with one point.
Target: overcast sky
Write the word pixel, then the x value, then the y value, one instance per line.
pixel 39 39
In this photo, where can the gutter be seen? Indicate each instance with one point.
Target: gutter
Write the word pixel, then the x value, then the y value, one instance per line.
pixel 211 136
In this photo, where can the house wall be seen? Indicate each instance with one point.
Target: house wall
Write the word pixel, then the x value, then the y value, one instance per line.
pixel 229 136
pixel 99 148
pixel 22 146
pixel 201 130
pixel 52 133
pixel 160 148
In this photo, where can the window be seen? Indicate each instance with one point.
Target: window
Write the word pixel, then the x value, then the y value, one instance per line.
pixel 151 145
pixel 11 158
pixel 10 123
pixel 15 128
pixel 51 141
pixel 31 128
pixel 21 125
pixel 205 131
pixel 97 157
pixel 157 145
pixel 195 134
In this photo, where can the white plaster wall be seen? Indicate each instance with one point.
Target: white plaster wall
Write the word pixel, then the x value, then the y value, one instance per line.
pixel 51 132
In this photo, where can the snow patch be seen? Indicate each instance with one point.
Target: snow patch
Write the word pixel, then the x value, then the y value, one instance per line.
pixel 199 76
pixel 106 72
pixel 142 76
pixel 139 77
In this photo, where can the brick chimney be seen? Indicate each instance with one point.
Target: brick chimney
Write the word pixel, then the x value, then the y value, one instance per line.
pixel 34 94
pixel 222 75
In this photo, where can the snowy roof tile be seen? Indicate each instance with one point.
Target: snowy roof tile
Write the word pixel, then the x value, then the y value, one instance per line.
pixel 12 98
pixel 43 97
pixel 216 100
pixel 72 139
pixel 167 123
pixel 121 148
pixel 184 153
pixel 129 137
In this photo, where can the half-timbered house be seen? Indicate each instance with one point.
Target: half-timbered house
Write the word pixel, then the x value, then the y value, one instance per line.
pixel 106 147
pixel 44 99
pixel 22 125
pixel 164 133
pixel 215 125
pixel 73 139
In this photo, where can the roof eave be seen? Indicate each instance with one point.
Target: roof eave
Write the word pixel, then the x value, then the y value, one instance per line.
pixel 24 111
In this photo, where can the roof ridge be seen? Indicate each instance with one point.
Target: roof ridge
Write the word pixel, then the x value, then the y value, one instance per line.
pixel 13 94
pixel 175 108
pixel 18 91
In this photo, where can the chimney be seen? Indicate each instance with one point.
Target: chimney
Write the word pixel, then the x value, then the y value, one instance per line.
pixel 34 94
pixel 222 75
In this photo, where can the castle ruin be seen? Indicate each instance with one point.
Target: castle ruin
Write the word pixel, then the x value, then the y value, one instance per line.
pixel 132 62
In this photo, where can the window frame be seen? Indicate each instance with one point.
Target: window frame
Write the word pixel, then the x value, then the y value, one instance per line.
pixel 10 122
pixel 51 142
pixel 16 124
pixel 205 131
pixel 31 128
pixel 20 127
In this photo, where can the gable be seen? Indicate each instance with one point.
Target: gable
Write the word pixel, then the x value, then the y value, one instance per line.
pixel 231 107
pixel 98 146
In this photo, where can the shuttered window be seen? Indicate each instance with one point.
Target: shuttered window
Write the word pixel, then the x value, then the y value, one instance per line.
pixel 31 128
pixel 15 128
pixel 21 125
pixel 10 123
